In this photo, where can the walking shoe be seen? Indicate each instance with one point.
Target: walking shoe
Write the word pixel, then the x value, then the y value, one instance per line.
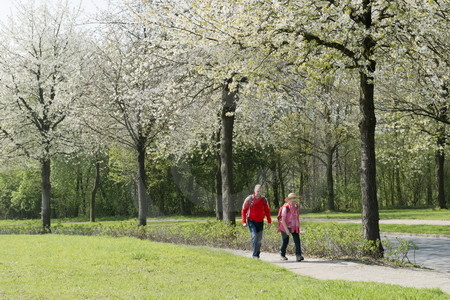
pixel 300 258
pixel 282 257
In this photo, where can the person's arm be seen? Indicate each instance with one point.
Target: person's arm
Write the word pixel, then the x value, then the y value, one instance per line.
pixel 286 228
pixel 244 210
pixel 299 217
pixel 267 212
pixel 284 214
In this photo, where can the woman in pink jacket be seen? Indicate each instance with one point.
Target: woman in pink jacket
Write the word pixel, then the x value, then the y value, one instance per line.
pixel 290 225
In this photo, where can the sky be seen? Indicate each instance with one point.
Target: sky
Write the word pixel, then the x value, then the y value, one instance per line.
pixel 89 6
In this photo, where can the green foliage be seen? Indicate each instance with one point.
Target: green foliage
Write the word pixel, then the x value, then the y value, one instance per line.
pixel 347 195
pixel 122 163
pixel 26 196
pixel 170 187
pixel 401 251
pixel 8 183
pixel 71 181
pixel 336 242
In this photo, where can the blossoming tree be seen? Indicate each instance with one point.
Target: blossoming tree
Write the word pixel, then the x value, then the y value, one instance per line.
pixel 41 59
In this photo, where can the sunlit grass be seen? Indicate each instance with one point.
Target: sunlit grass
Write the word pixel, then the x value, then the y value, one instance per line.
pixel 75 267
pixel 406 213
pixel 384 228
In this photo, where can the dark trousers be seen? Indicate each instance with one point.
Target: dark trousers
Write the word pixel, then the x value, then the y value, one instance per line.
pixel 285 242
pixel 256 231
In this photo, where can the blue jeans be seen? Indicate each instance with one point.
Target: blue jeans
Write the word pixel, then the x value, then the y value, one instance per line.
pixel 256 230
pixel 285 242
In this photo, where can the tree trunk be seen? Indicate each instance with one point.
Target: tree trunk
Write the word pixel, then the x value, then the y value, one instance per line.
pixel 218 187
pixel 281 181
pixel 46 194
pixel 398 187
pixel 79 184
pixel 275 186
pixel 440 172
pixel 370 215
pixel 219 205
pixel 330 180
pixel 226 154
pixel 94 192
pixel 275 182
pixel 429 184
pixel 141 187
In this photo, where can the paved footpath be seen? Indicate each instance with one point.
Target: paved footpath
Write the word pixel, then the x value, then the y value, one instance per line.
pixel 346 270
pixel 326 269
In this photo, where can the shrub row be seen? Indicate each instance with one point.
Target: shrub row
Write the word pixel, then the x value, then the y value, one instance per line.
pixel 317 241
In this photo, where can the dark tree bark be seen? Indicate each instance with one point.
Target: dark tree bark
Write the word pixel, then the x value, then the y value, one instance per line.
pixel 275 181
pixel 398 187
pixel 440 171
pixel 94 192
pixel 226 153
pixel 429 184
pixel 330 180
pixel 370 215
pixel 369 200
pixel 219 205
pixel 281 181
pixel 79 185
pixel 46 194
pixel 218 187
pixel 141 186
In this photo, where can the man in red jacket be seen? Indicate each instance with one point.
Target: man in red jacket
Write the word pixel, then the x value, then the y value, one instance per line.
pixel 254 209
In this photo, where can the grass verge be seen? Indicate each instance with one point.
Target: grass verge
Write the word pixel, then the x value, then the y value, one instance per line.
pixel 384 228
pixel 404 213
pixel 88 267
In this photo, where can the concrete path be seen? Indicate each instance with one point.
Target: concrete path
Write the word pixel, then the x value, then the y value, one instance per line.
pixel 345 270
pixel 326 269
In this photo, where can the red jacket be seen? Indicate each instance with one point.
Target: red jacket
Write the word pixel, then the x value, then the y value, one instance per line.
pixel 255 209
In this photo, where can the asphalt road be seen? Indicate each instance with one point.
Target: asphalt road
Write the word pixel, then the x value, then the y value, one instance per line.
pixel 433 252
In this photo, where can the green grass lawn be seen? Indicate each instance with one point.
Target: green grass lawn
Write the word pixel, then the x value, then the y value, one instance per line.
pixel 405 213
pixel 80 267
pixel 384 228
